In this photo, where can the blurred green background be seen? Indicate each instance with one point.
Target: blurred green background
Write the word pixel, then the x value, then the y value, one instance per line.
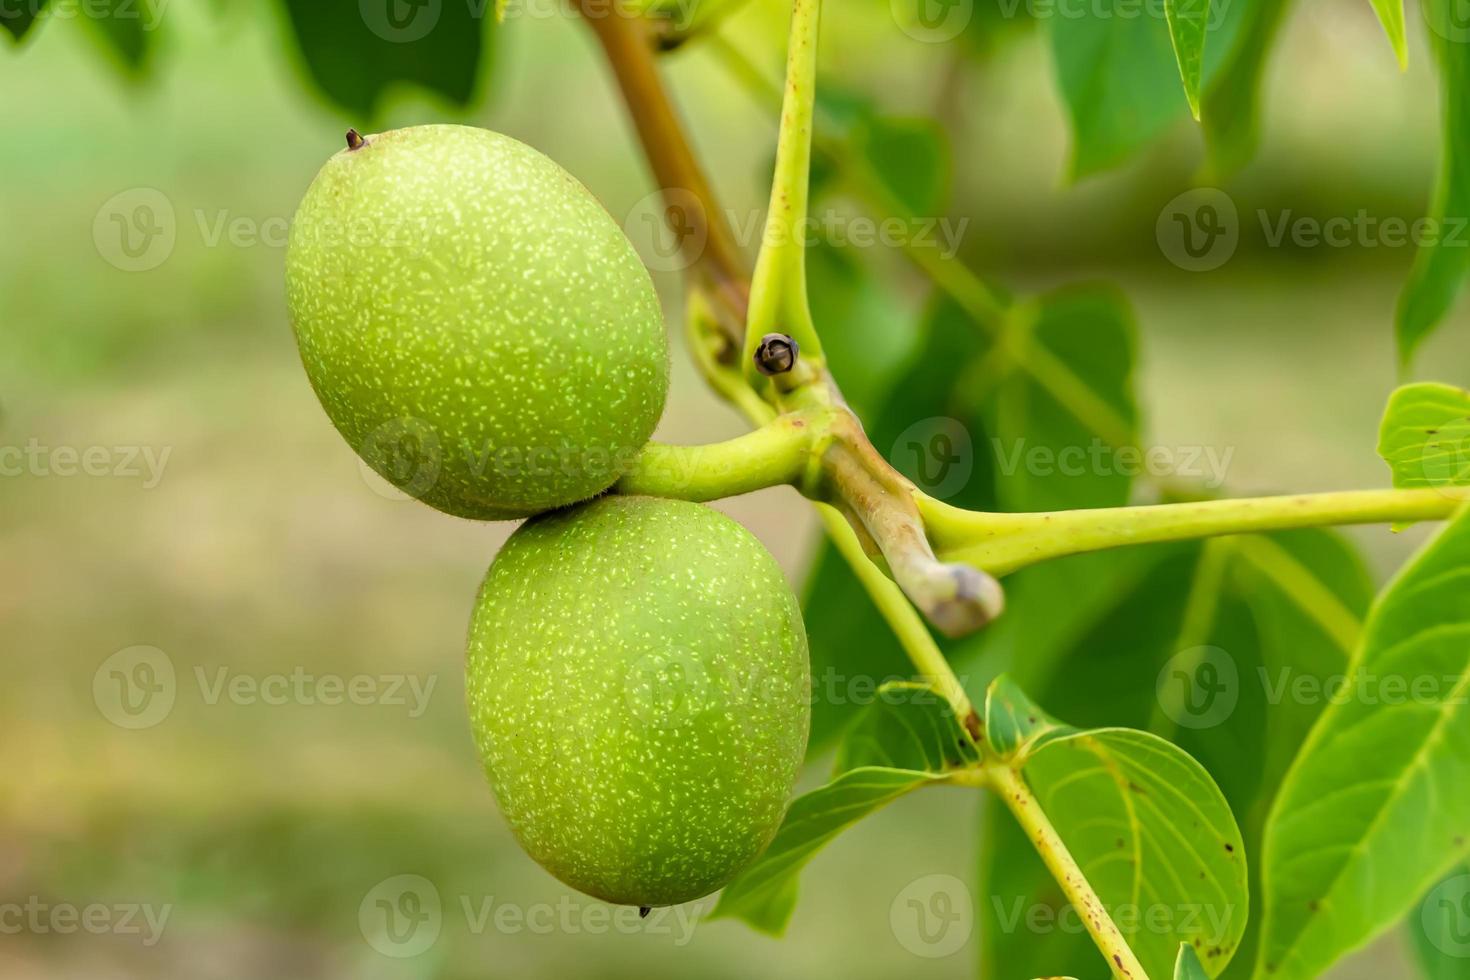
pixel 257 548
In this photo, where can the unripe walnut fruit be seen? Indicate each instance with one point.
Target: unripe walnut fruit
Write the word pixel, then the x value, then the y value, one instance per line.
pixel 475 324
pixel 640 694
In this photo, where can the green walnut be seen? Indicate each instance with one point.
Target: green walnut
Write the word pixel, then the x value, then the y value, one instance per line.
pixel 475 324
pixel 640 694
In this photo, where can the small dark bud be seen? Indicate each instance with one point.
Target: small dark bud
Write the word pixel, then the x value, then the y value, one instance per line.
pixel 355 140
pixel 776 354
pixel 643 911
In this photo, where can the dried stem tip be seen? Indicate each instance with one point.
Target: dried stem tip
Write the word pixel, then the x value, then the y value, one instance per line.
pixel 643 911
pixel 776 354
pixel 355 140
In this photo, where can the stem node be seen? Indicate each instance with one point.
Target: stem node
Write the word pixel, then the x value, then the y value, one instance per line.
pixel 776 354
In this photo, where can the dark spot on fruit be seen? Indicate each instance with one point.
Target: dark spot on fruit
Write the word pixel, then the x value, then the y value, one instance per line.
pixel 1230 848
pixel 643 911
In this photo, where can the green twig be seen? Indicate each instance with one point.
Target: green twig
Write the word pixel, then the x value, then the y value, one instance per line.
pixel 1003 543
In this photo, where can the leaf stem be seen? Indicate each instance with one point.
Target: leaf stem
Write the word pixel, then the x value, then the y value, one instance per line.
pixel 1018 798
pixel 778 297
pixel 1003 543
pixel 949 273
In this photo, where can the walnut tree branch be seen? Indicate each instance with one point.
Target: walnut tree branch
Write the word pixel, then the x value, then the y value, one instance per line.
pixel 704 234
pixel 852 476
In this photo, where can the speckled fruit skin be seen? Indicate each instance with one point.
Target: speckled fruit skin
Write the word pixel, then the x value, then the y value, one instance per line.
pixel 475 324
pixel 640 693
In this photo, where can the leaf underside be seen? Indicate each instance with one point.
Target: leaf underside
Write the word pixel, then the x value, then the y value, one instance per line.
pixel 355 56
pixel 1372 812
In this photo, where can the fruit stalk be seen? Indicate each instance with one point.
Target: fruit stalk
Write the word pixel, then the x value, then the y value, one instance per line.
pixel 776 454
